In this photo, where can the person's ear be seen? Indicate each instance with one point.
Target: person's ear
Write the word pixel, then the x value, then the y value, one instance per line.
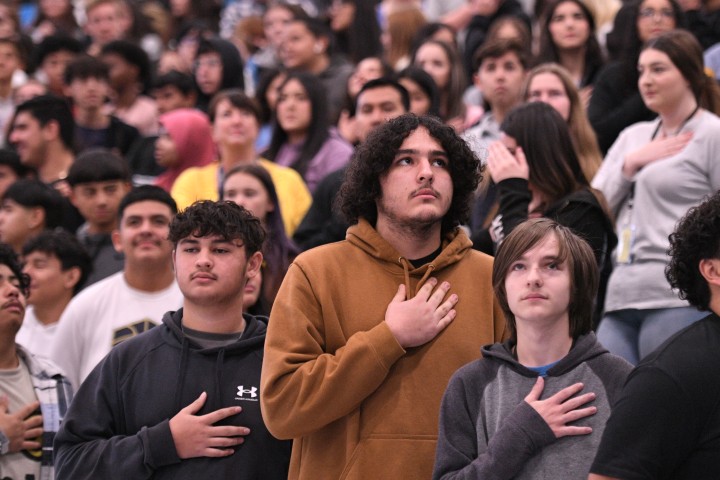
pixel 36 219
pixel 115 236
pixel 321 45
pixel 710 270
pixel 476 80
pixel 71 277
pixel 51 130
pixel 253 264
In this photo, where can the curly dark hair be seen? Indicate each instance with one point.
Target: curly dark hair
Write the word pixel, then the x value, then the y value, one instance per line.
pixel 10 259
pixel 225 219
pixel 361 187
pixel 696 237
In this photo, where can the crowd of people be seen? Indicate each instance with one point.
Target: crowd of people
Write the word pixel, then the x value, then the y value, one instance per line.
pixel 445 239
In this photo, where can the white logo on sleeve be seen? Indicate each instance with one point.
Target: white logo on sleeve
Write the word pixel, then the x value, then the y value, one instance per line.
pixel 248 394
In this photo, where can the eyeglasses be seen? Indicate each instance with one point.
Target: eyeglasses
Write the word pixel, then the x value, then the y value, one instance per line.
pixel 664 14
pixel 208 63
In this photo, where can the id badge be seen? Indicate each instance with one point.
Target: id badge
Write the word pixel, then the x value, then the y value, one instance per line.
pixel 626 240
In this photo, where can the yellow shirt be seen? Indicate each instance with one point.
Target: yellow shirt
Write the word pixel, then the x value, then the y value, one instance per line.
pixel 201 183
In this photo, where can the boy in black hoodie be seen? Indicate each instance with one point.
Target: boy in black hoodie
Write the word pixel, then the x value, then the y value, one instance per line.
pixel 200 370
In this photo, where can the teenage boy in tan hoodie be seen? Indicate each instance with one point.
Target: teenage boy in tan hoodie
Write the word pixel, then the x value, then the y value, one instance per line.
pixel 365 333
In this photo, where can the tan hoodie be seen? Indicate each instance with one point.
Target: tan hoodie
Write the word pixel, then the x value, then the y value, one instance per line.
pixel 334 378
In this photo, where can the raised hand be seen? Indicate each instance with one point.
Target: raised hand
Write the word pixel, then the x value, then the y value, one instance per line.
pixel 657 149
pixel 19 427
pixel 416 321
pixel 562 408
pixel 503 164
pixel 197 436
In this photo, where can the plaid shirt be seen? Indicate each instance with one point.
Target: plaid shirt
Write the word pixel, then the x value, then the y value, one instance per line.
pixel 54 393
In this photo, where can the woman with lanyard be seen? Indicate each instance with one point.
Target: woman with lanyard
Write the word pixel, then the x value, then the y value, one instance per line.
pixel 652 175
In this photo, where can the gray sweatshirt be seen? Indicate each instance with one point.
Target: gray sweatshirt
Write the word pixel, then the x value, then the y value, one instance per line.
pixel 487 430
pixel 664 191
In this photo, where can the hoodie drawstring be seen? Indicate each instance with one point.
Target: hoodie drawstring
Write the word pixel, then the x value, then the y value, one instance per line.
pixel 184 352
pixel 218 373
pixel 406 271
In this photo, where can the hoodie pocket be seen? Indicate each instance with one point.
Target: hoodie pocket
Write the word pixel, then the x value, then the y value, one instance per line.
pixel 390 456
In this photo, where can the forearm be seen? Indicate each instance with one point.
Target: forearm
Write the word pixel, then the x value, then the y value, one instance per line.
pixel 520 437
pixel 81 454
pixel 514 199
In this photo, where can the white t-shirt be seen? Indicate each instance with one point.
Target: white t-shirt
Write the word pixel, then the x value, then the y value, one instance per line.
pixel 35 336
pixel 103 315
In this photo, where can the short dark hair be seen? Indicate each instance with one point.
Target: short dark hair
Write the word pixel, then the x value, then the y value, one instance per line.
pixel 11 159
pixel 98 165
pixel 48 108
pixel 238 99
pixel 33 194
pixel 68 250
pixel 315 26
pixel 225 219
pixel 696 237
pixel 132 54
pixel 386 82
pixel 56 43
pixel 182 81
pixel 145 193
pixel 573 250
pixel 373 158
pixel 10 259
pixel 85 67
pixel 498 48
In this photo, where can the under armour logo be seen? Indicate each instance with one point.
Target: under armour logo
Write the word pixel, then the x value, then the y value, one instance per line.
pixel 252 391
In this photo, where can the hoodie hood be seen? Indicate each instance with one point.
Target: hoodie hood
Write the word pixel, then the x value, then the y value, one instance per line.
pixel 455 245
pixel 251 341
pixel 585 348
pixel 253 335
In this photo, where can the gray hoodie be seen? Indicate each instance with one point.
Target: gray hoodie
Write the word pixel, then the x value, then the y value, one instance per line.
pixel 488 431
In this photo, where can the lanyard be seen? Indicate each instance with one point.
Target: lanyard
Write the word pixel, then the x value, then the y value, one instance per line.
pixel 626 234
pixel 682 125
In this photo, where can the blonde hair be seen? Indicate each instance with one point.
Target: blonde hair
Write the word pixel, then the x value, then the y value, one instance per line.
pixel 581 132
pixel 603 11
pixel 402 25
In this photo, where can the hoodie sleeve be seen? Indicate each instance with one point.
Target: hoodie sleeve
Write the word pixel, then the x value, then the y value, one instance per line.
pixel 91 443
pixel 463 450
pixel 304 388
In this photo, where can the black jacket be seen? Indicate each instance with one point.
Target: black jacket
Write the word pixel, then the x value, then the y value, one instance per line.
pixel 118 424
